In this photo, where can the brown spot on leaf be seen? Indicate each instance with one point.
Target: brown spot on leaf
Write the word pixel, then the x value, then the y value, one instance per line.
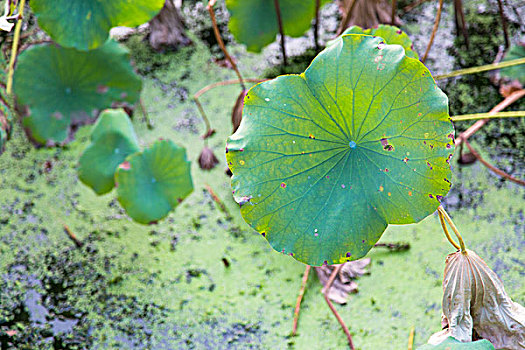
pixel 102 89
pixel 125 166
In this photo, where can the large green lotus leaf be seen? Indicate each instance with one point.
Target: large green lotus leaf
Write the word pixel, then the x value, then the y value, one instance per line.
pixel 454 344
pixel 60 86
pixel 325 160
pixel 515 72
pixel 113 139
pixel 392 35
pixel 85 24
pixel 150 184
pixel 254 22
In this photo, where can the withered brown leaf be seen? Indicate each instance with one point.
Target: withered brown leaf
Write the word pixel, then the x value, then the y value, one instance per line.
pixel 344 283
pixel 475 302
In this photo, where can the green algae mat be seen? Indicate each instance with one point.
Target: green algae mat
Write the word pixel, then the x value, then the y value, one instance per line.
pixel 202 278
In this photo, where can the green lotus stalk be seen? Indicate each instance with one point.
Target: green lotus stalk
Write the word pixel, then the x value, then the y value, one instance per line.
pixel 512 114
pixel 14 48
pixel 480 69
pixel 444 214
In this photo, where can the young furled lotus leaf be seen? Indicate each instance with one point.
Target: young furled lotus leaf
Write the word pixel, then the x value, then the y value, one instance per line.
pixel 112 140
pixel 515 72
pixel 325 160
pixel 254 22
pixel 454 344
pixel 59 86
pixel 392 35
pixel 151 183
pixel 474 300
pixel 85 24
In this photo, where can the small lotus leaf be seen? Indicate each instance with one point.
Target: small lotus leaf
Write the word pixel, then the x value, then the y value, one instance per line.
pixel 515 72
pixel 454 344
pixel 151 183
pixel 254 22
pixel 113 139
pixel 323 161
pixel 85 24
pixel 60 86
pixel 392 35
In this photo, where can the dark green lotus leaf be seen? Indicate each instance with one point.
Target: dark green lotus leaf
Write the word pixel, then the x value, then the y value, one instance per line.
pixel 150 184
pixel 323 161
pixel 60 86
pixel 515 72
pixel 113 139
pixel 454 344
pixel 85 24
pixel 392 35
pixel 254 22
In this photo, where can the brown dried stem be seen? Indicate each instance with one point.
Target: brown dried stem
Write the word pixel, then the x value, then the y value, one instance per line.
pixel 434 30
pixel 413 5
pixel 214 85
pixel 326 289
pixel 219 202
pixel 394 9
pixel 299 299
pixel 504 24
pixel 281 30
pixel 346 18
pixel 459 15
pixel 316 25
pixel 72 236
pixel 516 95
pixel 493 168
pixel 221 42
pixel 225 83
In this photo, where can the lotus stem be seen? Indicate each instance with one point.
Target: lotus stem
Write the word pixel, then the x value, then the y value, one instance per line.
pixel 316 25
pixel 225 83
pixel 512 114
pixel 14 48
pixel 413 5
pixel 281 30
pixel 346 18
pixel 480 69
pixel 325 291
pixel 434 30
pixel 411 338
pixel 515 96
pixel 493 168
pixel 445 230
pixel 394 8
pixel 72 236
pixel 460 21
pixel 299 299
pixel 504 24
pixel 454 228
pixel 219 202
pixel 203 115
pixel 221 42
